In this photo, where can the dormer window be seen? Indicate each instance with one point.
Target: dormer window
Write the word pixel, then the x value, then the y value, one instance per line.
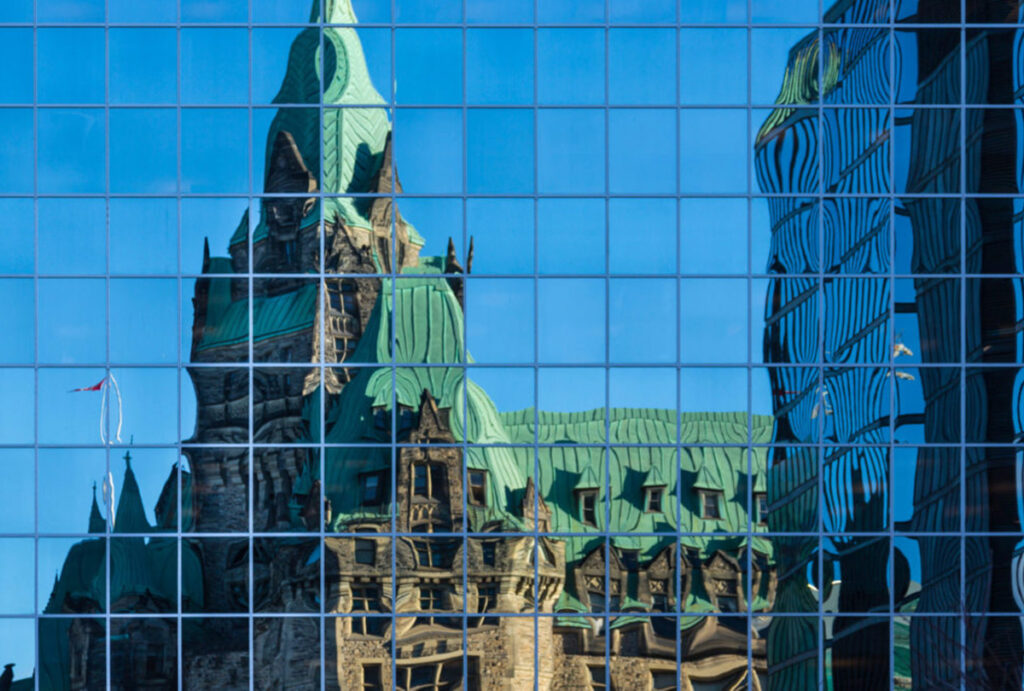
pixel 654 497
pixel 373 488
pixel 477 495
pixel 587 499
pixel 761 504
pixel 710 505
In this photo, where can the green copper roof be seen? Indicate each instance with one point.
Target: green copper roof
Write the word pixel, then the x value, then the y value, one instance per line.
pixel 428 329
pixel 227 323
pixel 353 132
pixel 575 459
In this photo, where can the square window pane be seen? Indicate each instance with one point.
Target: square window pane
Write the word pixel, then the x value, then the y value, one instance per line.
pixel 143 236
pixel 214 150
pixel 500 151
pixel 499 11
pixel 428 66
pixel 71 158
pixel 71 67
pixel 376 45
pixel 74 325
pixel 18 467
pixel 711 233
pixel 66 248
pixel 67 416
pixel 17 157
pixel 631 53
pixel 17 229
pixel 503 235
pixel 570 236
pixel 143 151
pixel 510 389
pixel 644 306
pixel 143 306
pixel 789 12
pixel 499 66
pixel 570 66
pixel 499 319
pixel 214 66
pixel 571 152
pixel 272 59
pixel 273 12
pixel 643 11
pixel 653 219
pixel 301 124
pixel 646 387
pixel 143 66
pixel 572 389
pixel 704 390
pixel 51 554
pixel 922 80
pixel 147 395
pixel 131 11
pixel 203 11
pixel 714 11
pixel 15 596
pixel 16 53
pixel 224 223
pixel 570 12
pixel 436 220
pixel 714 320
pixel 17 311
pixel 17 428
pixel 713 150
pixel 426 12
pixel 428 149
pixel 16 11
pixel 641 151
pixel 713 66
pixel 572 318
pixel 65 505
pixel 770 55
pixel 933 168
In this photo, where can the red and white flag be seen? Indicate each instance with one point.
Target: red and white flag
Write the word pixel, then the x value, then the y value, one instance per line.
pixel 105 386
pixel 95 387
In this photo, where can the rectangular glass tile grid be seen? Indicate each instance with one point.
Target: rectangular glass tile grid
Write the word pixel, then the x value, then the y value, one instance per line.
pixel 532 344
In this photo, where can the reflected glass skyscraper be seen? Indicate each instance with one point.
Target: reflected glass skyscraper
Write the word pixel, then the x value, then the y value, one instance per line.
pixel 900 282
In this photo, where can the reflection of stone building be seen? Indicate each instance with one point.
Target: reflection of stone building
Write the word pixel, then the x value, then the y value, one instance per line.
pixel 143 580
pixel 367 473
pixel 857 325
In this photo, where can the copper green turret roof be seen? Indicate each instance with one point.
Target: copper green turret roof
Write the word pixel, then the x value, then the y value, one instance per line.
pixel 355 123
pixel 428 330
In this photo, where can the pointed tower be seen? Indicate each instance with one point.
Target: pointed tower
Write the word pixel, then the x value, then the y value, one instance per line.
pixel 97 523
pixel 131 514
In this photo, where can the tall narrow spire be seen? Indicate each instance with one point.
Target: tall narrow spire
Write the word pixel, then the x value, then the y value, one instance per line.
pixel 131 514
pixel 332 67
pixel 336 11
pixel 97 524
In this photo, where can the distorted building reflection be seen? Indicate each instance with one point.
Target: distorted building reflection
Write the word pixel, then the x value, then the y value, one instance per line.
pixel 929 359
pixel 330 502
